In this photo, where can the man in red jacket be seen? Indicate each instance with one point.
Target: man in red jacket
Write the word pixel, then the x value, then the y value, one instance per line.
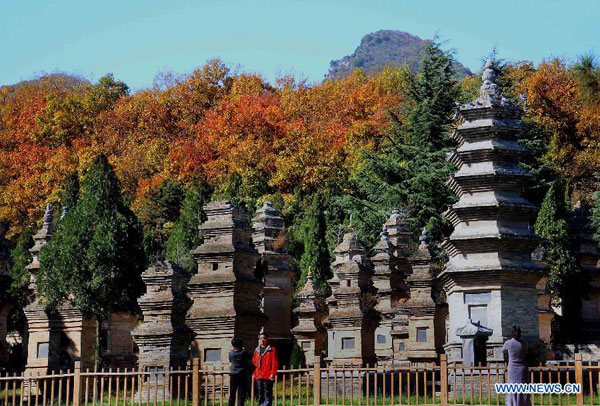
pixel 266 364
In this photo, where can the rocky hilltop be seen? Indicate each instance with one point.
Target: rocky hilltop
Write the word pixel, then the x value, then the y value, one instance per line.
pixel 384 48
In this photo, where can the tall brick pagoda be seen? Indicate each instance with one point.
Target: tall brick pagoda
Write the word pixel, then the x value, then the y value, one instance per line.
pixel 269 240
pixel 352 320
pixel 490 278
pixel 390 267
pixel 39 356
pixel 225 291
pixel 310 333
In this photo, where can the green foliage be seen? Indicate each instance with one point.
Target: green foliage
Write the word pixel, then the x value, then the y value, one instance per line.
pixel 71 192
pixel 297 358
pixel 596 217
pixel 410 170
pixel 157 214
pixel 20 257
pixel 587 75
pixel 185 235
pixel 551 226
pixel 433 93
pixel 95 257
pixel 244 191
pixel 313 229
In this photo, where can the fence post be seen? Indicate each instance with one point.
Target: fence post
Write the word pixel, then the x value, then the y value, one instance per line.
pixel 195 382
pixel 317 382
pixel 77 384
pixel 444 379
pixel 579 378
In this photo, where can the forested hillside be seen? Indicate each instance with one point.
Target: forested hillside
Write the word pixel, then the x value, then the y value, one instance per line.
pixel 359 144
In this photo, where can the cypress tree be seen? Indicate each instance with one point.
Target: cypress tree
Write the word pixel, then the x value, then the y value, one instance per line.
pixel 20 257
pixel 313 232
pixel 185 235
pixel 410 170
pixel 565 284
pixel 551 225
pixel 95 257
pixel 157 214
pixel 596 217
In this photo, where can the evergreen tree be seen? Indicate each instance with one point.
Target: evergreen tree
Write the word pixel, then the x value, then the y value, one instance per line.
pixel 587 75
pixel 20 257
pixel 410 170
pixel 552 227
pixel 313 232
pixel 95 258
pixel 433 93
pixel 596 216
pixel 565 281
pixel 157 214
pixel 185 235
pixel 71 191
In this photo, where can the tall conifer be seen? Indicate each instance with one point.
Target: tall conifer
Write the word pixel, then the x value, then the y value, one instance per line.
pixel 95 258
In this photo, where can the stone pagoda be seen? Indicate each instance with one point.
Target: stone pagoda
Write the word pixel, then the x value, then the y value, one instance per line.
pixel 225 291
pixel 490 278
pixel 390 268
pixel 310 333
pixel 163 338
pixel 269 240
pixel 352 319
pixel 55 341
pixel 39 356
pixel 421 307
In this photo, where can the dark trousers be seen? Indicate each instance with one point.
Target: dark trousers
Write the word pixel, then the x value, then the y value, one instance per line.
pixel 239 385
pixel 265 392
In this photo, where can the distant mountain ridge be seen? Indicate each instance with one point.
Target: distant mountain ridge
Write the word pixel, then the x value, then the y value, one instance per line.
pixel 384 48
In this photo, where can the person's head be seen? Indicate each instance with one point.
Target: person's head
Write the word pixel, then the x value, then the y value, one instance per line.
pixel 237 343
pixel 516 332
pixel 263 339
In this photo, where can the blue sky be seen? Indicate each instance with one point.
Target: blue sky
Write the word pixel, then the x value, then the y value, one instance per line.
pixel 137 39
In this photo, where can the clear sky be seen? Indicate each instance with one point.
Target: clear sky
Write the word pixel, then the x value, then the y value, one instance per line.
pixel 137 39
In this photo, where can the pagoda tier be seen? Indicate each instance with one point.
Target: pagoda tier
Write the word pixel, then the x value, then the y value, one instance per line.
pixel 490 277
pixel 390 266
pixel 225 291
pixel 269 240
pixel 352 321
pixel 310 333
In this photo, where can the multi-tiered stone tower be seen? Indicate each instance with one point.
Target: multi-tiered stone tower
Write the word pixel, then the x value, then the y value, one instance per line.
pixel 162 338
pixel 390 269
pixel 225 291
pixel 310 312
pixel 269 240
pixel 352 320
pixel 39 355
pixel 490 277
pixel 421 306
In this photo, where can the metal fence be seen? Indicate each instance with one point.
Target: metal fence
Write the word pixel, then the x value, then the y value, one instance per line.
pixel 414 385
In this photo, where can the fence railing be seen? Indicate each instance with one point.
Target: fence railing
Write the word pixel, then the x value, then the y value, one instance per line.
pixel 416 385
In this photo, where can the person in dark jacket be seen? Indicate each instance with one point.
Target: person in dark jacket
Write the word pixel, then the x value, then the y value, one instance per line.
pixel 266 364
pixel 239 372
